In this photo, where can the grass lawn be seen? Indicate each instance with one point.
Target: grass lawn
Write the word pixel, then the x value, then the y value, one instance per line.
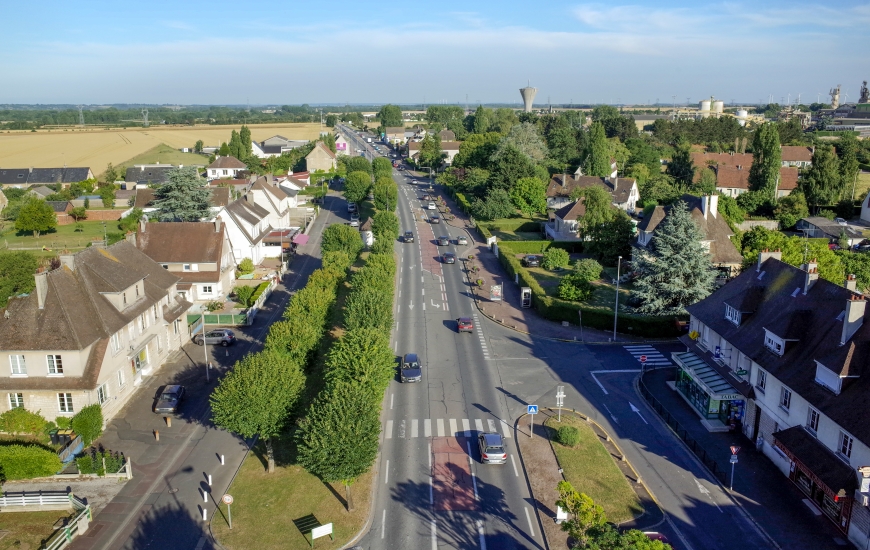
pixel 863 186
pixel 517 235
pixel 62 237
pixel 605 292
pixel 165 155
pixel 29 529
pixel 591 470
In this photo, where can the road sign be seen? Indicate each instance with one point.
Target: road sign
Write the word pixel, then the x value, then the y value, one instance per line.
pixel 643 358
pixel 735 450
pixel 532 409
pixel 733 459
pixel 228 499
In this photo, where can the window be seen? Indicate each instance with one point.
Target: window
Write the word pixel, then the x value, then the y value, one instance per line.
pixel 16 400
pixel 186 267
pixel 124 298
pixel 102 393
pixel 159 344
pixel 226 172
pixel 136 286
pixel 732 314
pixel 121 380
pixel 845 447
pixel 784 398
pixel 761 380
pixel 64 402
pixel 132 331
pixel 19 367
pixel 206 289
pixel 176 324
pixel 116 342
pixel 154 309
pixel 55 366
pixel 773 344
pixel 813 420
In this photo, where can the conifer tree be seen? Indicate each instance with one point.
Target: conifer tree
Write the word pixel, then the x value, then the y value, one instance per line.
pixel 247 148
pixel 597 160
pixel 822 183
pixel 766 161
pixel 184 198
pixel 676 270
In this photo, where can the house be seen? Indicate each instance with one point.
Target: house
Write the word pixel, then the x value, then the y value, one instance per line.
pixel 446 135
pixel 220 197
pixel 320 158
pixel 267 193
pixel 21 177
pixel 822 228
pixel 197 252
pixel 237 186
pixel 450 148
pixel 565 222
pixel 734 180
pixel 275 146
pixel 342 147
pixel 782 356
pixel 395 135
pixel 148 174
pixel 247 224
pixel 717 234
pixel 90 332
pixel 624 192
pixel 225 167
pixel 40 191
pixel 14 177
pixel 797 157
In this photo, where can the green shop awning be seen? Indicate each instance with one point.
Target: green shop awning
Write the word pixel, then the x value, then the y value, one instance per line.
pixel 705 376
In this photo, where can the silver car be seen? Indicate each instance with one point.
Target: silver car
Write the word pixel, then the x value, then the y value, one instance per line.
pixel 221 336
pixel 491 448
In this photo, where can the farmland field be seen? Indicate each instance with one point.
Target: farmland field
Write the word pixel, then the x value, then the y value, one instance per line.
pixel 97 147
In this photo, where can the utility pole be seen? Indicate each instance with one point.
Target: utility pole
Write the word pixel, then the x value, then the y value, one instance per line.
pixel 616 307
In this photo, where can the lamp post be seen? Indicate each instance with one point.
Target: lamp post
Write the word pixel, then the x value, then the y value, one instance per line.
pixel 616 307
pixel 106 239
pixel 205 345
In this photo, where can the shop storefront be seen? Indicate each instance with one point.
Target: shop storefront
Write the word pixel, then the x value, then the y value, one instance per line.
pixel 707 391
pixel 825 479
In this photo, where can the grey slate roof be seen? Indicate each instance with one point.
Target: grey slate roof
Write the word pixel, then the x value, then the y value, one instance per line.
pixel 571 212
pixel 59 206
pixel 817 337
pixel 153 174
pixel 252 214
pixel 561 185
pixel 831 228
pixel 9 176
pixel 31 176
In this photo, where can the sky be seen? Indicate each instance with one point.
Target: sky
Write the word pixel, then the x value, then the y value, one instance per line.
pixel 449 51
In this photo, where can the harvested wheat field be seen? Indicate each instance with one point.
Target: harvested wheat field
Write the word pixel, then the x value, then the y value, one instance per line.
pixel 96 148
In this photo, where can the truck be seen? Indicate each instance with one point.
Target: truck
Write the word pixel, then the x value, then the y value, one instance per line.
pixel 368 140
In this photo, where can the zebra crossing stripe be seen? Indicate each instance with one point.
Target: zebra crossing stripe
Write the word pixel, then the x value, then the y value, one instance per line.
pixel 490 424
pixel 414 430
pixel 466 427
pixel 506 429
pixel 427 428
pixel 478 424
pixel 453 430
pixel 440 425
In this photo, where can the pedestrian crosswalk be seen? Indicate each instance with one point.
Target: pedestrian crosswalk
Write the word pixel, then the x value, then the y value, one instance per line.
pixel 459 427
pixel 653 357
pixel 477 329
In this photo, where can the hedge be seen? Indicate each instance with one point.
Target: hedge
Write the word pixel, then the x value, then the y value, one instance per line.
pixel 514 224
pixel 539 247
pixel 257 293
pixel 555 309
pixel 463 203
pixel 88 423
pixel 27 461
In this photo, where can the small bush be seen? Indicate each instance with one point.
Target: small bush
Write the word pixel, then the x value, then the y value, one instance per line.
pixel 91 461
pixel 63 422
pixel 214 305
pixel 574 287
pixel 21 421
pixel 568 436
pixel 588 269
pixel 555 258
pixel 246 266
pixel 829 214
pixel 28 461
pixel 243 295
pixel 88 423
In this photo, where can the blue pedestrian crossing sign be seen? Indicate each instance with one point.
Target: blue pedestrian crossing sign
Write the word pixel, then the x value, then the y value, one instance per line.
pixel 533 409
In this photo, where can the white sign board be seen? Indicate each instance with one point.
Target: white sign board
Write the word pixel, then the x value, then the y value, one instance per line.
pixel 228 499
pixel 561 515
pixel 321 531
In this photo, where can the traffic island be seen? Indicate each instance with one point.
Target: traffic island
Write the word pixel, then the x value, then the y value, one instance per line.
pixel 594 466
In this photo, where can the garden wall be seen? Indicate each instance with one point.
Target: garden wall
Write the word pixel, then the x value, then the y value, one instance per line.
pixel 93 215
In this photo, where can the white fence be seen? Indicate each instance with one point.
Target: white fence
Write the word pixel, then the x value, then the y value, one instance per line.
pixel 29 501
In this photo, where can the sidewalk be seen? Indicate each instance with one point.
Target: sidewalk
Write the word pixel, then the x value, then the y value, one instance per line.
pixel 774 503
pixel 509 312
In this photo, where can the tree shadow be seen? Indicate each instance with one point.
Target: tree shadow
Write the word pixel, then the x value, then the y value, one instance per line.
pixel 170 527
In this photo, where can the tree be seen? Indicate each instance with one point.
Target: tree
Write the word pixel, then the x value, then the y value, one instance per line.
pixel 390 116
pixel 338 440
pixel 821 183
pixel 107 194
pixel 382 168
pixel 790 209
pixel 847 151
pixel 588 269
pixel 363 358
pixel 35 216
pixel 16 274
pixel 430 151
pixel 596 159
pixel 386 194
pixel 529 195
pixel 575 288
pixel 584 515
pixel 676 271
pixel 356 186
pixel 482 120
pixel 341 237
pixel 618 152
pixel 706 184
pixel 224 151
pixel 257 396
pixel 730 210
pixel 795 251
pixel 510 164
pixel 236 148
pixel 197 148
pixel 496 205
pixel 184 198
pixel 555 258
pixel 111 174
pixel 681 167
pixel 611 239
pixel 766 161
pixel 598 204
pixel 247 147
pixel 562 142
pixel 331 120
pixel 385 225
pixel 79 213
pixel 525 139
pixel 358 164
pixel 477 150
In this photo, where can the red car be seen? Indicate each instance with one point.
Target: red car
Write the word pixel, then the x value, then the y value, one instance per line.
pixel 464 324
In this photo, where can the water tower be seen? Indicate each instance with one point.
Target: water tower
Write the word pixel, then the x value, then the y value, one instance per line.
pixel 528 94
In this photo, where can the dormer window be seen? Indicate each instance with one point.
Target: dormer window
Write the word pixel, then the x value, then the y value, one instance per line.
pixel 828 379
pixel 773 343
pixel 732 315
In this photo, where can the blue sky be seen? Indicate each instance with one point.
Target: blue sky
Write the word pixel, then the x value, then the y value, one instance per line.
pixel 296 52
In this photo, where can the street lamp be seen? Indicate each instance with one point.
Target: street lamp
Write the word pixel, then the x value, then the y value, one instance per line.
pixel 205 344
pixel 616 307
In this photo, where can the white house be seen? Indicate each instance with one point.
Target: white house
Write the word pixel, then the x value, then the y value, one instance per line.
pixel 225 168
pixel 247 224
pixel 266 193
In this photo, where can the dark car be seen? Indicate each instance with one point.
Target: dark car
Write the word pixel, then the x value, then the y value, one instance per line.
pixel 531 260
pixel 443 240
pixel 434 218
pixel 464 324
pixel 448 258
pixel 412 371
pixel 222 336
pixel 409 237
pixel 169 400
pixel 491 448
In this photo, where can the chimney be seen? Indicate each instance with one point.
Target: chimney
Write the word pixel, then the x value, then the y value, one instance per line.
pixel 714 204
pixel 41 289
pixel 130 238
pixel 855 307
pixel 765 254
pixel 68 260
pixel 851 283
pixel 811 270
pixel 705 205
pixel 143 223
pixel 217 225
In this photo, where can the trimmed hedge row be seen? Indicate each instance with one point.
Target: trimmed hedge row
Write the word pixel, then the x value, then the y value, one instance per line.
pixel 539 247
pixel 258 292
pixel 462 201
pixel 27 461
pixel 514 224
pixel 555 309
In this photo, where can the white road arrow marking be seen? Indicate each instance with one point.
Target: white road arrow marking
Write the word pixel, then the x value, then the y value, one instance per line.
pixel 434 304
pixel 636 410
pixel 705 491
pixel 411 305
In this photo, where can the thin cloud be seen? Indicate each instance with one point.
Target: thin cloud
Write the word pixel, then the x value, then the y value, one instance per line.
pixel 178 25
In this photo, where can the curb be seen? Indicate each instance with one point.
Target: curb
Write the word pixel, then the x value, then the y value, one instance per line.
pixel 230 484
pixel 529 483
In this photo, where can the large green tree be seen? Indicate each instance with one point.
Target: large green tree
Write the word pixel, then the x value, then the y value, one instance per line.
pixel 596 158
pixel 676 270
pixel 529 195
pixel 482 120
pixel 681 167
pixel 386 194
pixel 16 274
pixel 431 154
pixel 509 165
pixel 611 239
pixel 847 151
pixel 339 236
pixel 362 357
pixel 257 396
pixel 338 440
pixel 245 137
pixel 184 198
pixel 390 116
pixel 385 225
pixel 35 216
pixel 766 161
pixel 584 516
pixel 790 209
pixel 356 186
pixel 598 204
pixel 237 149
pixel 477 150
pixel 525 139
pixel 821 184
pixel 497 204
pixel 357 164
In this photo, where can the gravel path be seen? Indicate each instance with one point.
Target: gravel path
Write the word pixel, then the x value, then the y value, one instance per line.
pixel 96 492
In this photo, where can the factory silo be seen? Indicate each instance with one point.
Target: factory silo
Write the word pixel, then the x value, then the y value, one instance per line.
pixel 742 115
pixel 718 107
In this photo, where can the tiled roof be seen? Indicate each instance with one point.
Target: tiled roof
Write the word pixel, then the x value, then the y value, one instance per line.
pixel 59 206
pixel 181 242
pixel 323 148
pixel 730 159
pixel 395 130
pixel 149 174
pixel 571 212
pixel 782 302
pixel 737 177
pixel 227 162
pixel 561 185
pixel 251 213
pixel 447 135
pixel 794 153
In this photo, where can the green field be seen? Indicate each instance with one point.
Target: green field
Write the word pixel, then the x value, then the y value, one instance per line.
pixel 863 186
pixel 63 237
pixel 163 154
pixel 29 529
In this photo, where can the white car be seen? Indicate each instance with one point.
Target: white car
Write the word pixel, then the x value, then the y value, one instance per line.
pixel 432 205
pixel 840 221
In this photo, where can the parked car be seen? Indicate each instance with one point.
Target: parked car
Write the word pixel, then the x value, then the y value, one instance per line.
pixel 443 240
pixel 409 237
pixel 169 400
pixel 413 182
pixel 432 206
pixel 840 221
pixel 462 239
pixel 448 258
pixel 434 218
pixel 530 260
pixel 464 324
pixel 222 336
pixel 354 215
pixel 491 448
pixel 351 207
pixel 412 371
pixel 354 223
